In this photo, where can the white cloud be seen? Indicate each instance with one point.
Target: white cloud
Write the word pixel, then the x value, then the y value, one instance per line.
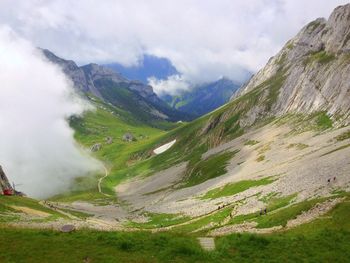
pixel 171 85
pixel 203 38
pixel 37 145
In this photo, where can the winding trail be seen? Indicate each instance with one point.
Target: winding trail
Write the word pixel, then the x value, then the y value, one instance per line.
pixel 100 181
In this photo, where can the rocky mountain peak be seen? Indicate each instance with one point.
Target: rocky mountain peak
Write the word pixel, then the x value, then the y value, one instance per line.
pixel 311 73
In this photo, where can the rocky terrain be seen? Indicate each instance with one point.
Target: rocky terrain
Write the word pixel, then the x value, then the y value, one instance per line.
pixel 310 73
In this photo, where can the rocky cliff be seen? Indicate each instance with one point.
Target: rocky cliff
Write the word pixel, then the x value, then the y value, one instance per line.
pixel 112 87
pixel 4 182
pixel 311 73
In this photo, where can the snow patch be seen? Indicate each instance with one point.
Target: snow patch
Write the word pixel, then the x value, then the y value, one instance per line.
pixel 164 147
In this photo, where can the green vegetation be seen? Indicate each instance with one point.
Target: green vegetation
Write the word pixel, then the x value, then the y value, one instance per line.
pixel 343 136
pixel 264 148
pixel 280 217
pixel 299 146
pixel 326 239
pixel 251 142
pixel 213 219
pixel 290 45
pixel 78 214
pixel 318 121
pixel 279 212
pixel 9 213
pixel 278 202
pixel 159 220
pixel 94 127
pixel 260 158
pixel 235 188
pixel 93 246
pixel 209 168
pixel 321 57
pixel 323 121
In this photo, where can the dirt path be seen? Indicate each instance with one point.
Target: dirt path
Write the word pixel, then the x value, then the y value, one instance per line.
pixel 55 208
pixel 100 181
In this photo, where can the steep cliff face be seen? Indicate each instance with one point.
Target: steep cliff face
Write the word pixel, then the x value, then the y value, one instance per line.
pixel 112 87
pixel 311 73
pixel 4 182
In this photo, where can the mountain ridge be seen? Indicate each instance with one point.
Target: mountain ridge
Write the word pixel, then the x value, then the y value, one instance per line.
pixel 203 98
pixel 310 73
pixel 133 96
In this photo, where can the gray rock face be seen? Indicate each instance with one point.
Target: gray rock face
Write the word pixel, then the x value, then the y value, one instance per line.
pixel 109 140
pixel 311 73
pixel 95 79
pixel 128 137
pixel 96 147
pixel 4 182
pixel 81 82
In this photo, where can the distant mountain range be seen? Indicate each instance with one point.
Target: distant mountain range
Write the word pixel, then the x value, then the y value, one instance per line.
pixel 111 87
pixel 150 66
pixel 203 98
pixel 196 101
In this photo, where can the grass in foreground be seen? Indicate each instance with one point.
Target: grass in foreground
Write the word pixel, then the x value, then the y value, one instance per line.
pixel 326 239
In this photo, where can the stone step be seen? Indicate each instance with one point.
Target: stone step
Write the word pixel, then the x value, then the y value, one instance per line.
pixel 207 243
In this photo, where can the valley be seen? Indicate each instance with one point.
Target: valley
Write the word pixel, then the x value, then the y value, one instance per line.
pixel 260 177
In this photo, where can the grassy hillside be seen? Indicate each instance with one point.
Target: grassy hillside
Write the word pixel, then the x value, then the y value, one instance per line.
pixel 326 239
pixel 94 127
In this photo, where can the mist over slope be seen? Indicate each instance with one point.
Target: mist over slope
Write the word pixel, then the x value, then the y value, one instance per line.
pixel 37 146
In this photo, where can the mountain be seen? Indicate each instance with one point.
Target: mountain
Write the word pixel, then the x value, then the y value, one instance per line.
pixel 203 98
pixel 270 159
pixel 111 87
pixel 311 73
pixel 150 66
pixel 272 163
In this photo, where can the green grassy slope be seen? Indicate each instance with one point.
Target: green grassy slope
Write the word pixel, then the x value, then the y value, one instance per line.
pixel 94 127
pixel 326 239
pixel 10 209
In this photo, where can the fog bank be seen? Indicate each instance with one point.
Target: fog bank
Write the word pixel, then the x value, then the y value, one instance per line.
pixel 37 150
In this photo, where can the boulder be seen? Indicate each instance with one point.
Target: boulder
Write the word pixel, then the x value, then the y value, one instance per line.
pixel 96 147
pixel 128 137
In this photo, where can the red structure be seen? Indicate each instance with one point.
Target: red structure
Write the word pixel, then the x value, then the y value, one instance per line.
pixel 8 192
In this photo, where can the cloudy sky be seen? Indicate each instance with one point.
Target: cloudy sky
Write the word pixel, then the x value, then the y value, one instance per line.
pixel 204 39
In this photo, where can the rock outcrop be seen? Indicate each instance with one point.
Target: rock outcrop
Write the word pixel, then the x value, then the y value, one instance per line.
pixel 96 147
pixel 4 182
pixel 128 137
pixel 311 73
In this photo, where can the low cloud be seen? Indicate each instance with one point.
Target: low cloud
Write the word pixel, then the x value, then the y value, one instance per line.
pixel 172 85
pixel 38 150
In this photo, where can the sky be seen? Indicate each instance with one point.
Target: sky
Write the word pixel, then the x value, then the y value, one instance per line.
pixel 38 150
pixel 204 39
